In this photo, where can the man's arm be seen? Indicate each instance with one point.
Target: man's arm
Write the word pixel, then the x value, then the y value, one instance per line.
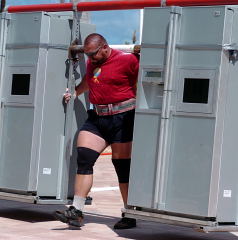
pixel 75 50
pixel 81 88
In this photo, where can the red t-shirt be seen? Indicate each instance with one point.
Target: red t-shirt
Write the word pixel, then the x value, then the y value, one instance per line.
pixel 114 80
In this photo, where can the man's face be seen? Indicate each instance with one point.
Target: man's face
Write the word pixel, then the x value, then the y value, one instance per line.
pixel 96 53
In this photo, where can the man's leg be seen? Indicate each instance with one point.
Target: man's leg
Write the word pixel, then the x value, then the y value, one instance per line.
pixel 89 147
pixel 121 157
pixel 121 151
pixel 83 181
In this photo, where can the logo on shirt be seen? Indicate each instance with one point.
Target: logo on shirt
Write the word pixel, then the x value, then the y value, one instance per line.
pixel 96 73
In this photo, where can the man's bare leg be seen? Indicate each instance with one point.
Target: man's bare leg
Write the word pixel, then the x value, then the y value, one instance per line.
pixel 83 183
pixel 93 145
pixel 122 151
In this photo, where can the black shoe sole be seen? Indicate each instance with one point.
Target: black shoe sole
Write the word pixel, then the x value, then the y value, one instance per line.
pixel 59 216
pixel 125 227
pixel 74 223
pixel 125 223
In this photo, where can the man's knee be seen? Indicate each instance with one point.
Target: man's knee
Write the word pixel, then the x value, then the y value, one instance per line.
pixel 86 160
pixel 122 167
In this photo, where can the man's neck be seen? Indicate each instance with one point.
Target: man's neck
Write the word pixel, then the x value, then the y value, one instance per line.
pixel 109 52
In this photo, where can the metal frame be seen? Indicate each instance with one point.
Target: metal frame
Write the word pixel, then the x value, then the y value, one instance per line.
pixel 17 197
pixel 168 219
pixel 197 224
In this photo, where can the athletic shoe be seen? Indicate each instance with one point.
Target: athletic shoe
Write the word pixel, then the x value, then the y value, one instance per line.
pixel 125 223
pixel 71 216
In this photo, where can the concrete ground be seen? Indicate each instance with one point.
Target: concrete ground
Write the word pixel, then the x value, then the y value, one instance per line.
pixel 33 222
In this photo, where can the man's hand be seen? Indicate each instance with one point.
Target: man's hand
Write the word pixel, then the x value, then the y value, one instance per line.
pixel 67 96
pixel 74 49
pixel 137 49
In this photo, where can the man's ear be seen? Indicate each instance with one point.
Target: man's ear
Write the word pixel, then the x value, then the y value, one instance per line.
pixel 105 46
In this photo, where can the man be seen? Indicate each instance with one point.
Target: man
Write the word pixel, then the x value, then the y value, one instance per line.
pixel 111 79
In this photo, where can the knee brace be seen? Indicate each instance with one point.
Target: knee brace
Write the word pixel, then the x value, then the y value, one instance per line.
pixel 86 159
pixel 122 167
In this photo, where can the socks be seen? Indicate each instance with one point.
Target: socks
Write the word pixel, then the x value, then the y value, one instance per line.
pixel 79 202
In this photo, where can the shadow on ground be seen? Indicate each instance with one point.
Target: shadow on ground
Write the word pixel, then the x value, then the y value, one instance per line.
pixel 28 212
pixel 145 230
pixel 152 231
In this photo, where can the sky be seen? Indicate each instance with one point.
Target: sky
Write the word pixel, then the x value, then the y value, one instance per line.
pixel 116 26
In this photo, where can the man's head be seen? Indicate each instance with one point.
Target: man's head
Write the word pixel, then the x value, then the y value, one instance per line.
pixel 96 48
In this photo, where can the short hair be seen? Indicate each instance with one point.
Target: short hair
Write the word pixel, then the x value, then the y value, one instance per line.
pixel 95 37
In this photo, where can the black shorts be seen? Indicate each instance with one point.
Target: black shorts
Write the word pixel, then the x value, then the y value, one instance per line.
pixel 117 128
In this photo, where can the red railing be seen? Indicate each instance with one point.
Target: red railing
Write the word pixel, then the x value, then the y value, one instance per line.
pixel 184 3
pixel 87 6
pixel 116 5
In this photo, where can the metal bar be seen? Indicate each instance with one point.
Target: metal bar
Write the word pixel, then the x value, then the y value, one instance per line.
pixel 17 197
pixel 36 45
pixel 168 219
pixel 132 48
pixel 185 3
pixel 55 7
pixel 87 6
pixel 219 228
pixel 60 168
pixel 53 201
pixel 124 48
pixel 116 5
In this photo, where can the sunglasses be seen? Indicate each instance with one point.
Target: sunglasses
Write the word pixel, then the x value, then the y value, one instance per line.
pixel 94 53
